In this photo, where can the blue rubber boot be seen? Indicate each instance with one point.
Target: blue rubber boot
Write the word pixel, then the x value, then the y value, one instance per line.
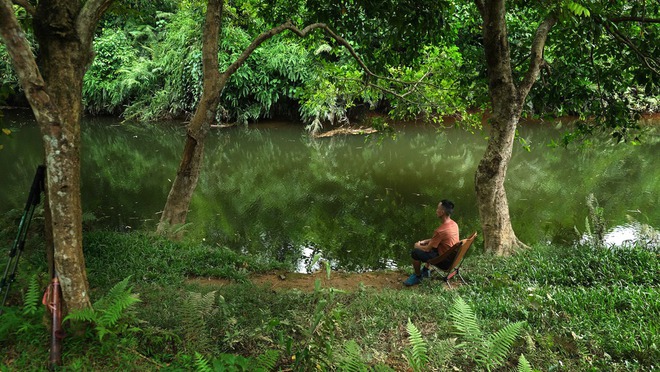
pixel 413 280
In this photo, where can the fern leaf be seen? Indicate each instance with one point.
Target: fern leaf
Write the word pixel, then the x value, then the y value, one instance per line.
pixel 102 331
pixel 267 360
pixel 442 351
pixel 417 355
pixel 465 322
pixel 500 343
pixel 82 315
pixel 32 297
pixel 116 309
pixel 117 291
pixel 352 360
pixel 195 309
pixel 201 364
pixel 523 364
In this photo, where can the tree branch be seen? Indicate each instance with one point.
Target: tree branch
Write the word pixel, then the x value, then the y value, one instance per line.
pixel 27 6
pixel 650 62
pixel 634 19
pixel 417 83
pixel 25 64
pixel 402 96
pixel 288 25
pixel 89 17
pixel 536 56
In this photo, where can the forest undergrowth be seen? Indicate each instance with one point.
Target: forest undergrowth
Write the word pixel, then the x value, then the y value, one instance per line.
pixel 547 308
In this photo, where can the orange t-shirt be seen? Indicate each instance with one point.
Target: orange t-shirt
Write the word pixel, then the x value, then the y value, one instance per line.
pixel 445 236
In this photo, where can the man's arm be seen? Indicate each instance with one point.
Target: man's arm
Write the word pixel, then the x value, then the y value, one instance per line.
pixel 424 245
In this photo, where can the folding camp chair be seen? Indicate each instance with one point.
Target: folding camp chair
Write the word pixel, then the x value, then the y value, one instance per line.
pixel 458 252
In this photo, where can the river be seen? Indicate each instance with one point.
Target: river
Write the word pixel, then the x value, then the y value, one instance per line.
pixel 359 201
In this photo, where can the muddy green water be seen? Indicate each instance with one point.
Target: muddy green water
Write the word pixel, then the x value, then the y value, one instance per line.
pixel 360 201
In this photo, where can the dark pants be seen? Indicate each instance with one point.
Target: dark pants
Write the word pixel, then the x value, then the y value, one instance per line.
pixel 420 255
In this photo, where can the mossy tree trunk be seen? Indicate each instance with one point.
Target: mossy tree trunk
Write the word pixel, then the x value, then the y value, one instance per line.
pixel 64 31
pixel 185 182
pixel 507 99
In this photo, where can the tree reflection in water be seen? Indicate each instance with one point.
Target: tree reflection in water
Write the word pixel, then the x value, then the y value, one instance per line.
pixel 361 201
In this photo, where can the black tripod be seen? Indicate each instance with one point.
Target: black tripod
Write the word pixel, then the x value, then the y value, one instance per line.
pixel 19 243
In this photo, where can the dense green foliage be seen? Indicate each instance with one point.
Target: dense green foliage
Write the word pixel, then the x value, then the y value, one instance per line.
pixel 148 61
pixel 583 307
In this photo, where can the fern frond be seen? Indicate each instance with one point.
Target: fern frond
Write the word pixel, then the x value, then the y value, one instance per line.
pixel 115 309
pixel 500 343
pixel 352 360
pixel 32 297
pixel 194 311
pixel 465 322
pixel 201 364
pixel 108 310
pixel 267 360
pixel 523 364
pixel 442 351
pixel 101 331
pixel 117 291
pixel 82 315
pixel 417 354
pixel 208 302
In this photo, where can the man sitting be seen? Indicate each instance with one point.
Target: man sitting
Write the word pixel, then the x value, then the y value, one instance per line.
pixel 444 238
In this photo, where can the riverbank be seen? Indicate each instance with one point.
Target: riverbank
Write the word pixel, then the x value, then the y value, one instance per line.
pixel 583 308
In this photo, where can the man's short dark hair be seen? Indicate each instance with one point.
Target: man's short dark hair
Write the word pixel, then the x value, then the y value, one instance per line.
pixel 448 206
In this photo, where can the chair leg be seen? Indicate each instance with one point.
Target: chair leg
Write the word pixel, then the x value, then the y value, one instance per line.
pixel 447 281
pixel 461 276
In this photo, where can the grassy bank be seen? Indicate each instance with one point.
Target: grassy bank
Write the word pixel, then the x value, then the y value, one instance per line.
pixel 584 308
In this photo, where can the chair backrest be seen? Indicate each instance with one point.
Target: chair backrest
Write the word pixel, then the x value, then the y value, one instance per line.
pixel 465 245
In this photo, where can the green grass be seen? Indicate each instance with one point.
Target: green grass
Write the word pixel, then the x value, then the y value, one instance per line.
pixel 584 308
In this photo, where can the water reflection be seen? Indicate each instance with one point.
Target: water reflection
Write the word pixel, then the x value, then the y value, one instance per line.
pixel 359 201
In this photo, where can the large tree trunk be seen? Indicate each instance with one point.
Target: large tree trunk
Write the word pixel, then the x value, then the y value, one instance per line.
pixel 63 60
pixel 185 182
pixel 506 100
pixel 64 30
pixel 499 237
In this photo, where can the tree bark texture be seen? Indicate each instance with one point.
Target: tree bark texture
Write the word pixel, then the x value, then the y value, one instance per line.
pixel 185 182
pixel 507 101
pixel 64 30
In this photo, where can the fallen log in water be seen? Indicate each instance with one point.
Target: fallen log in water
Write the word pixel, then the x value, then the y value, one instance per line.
pixel 345 130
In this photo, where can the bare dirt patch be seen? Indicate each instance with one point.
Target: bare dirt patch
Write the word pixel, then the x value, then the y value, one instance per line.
pixel 283 281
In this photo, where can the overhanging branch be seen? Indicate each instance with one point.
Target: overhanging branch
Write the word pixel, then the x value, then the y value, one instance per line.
pixel 652 63
pixel 289 26
pixel 536 56
pixel 89 17
pixel 25 64
pixel 302 33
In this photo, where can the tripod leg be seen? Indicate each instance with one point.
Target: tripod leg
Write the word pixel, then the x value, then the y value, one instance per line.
pixel 19 245
pixel 15 253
